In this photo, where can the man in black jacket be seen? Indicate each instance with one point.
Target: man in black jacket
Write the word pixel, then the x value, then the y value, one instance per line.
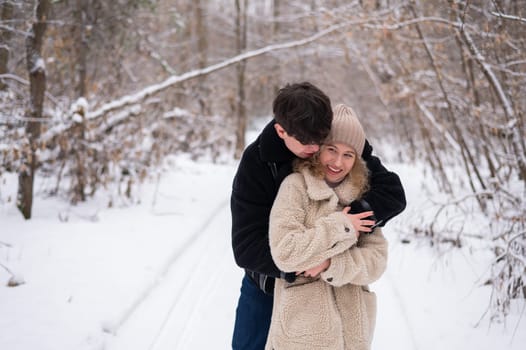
pixel 302 120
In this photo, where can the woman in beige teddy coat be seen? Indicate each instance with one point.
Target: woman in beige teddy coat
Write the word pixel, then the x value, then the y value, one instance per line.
pixel 329 306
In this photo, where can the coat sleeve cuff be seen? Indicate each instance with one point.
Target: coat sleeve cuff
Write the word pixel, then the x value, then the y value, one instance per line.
pixel 337 269
pixel 343 228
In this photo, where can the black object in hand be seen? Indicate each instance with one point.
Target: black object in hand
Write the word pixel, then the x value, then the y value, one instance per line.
pixel 359 206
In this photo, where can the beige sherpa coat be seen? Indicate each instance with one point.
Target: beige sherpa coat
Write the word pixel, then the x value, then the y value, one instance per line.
pixel 336 311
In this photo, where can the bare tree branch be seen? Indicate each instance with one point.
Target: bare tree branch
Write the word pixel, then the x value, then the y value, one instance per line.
pixel 176 79
pixel 429 116
pixel 514 18
pixel 26 83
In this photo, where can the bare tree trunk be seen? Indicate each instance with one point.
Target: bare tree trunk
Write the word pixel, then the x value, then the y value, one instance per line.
pixel 78 139
pixel 81 44
pixel 37 87
pixel 6 13
pixel 467 68
pixel 202 54
pixel 433 154
pixel 241 45
pixel 275 30
pixel 202 42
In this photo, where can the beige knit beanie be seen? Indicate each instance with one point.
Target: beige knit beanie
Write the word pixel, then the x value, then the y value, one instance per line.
pixel 346 128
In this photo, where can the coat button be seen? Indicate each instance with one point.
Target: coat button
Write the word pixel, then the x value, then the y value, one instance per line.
pixel 347 229
pixel 329 279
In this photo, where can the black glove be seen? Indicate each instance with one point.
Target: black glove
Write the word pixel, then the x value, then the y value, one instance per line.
pixel 367 150
pixel 288 276
pixel 361 205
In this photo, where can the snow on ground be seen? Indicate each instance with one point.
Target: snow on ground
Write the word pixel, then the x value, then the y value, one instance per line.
pixel 160 274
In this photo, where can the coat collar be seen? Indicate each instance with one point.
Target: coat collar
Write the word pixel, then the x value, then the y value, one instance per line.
pixel 318 190
pixel 271 147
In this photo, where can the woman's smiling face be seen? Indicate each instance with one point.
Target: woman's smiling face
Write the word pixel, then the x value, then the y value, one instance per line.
pixel 337 160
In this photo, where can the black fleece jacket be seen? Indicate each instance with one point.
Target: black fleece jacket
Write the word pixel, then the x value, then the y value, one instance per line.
pixel 263 166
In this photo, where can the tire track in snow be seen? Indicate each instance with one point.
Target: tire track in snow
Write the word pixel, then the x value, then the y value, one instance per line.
pixel 213 310
pixel 395 293
pixel 114 327
pixel 205 279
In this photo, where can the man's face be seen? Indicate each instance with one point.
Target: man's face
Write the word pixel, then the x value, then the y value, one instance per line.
pixel 296 147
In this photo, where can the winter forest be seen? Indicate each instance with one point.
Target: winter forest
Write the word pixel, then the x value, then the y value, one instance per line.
pixel 96 94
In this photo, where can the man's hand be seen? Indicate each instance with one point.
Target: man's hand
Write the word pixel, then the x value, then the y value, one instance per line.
pixel 315 271
pixel 358 222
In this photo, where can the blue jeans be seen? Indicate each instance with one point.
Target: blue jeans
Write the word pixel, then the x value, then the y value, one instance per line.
pixel 253 313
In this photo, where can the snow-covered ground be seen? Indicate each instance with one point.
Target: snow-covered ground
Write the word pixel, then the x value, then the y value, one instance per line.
pixel 160 274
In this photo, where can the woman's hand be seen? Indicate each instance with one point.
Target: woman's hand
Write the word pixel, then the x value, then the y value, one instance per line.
pixel 358 222
pixel 315 271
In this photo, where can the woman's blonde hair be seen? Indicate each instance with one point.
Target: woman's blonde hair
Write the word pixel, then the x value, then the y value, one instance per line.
pixel 359 173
